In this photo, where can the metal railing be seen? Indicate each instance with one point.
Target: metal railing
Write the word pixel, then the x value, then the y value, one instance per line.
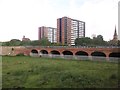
pixel 76 57
pixel 72 46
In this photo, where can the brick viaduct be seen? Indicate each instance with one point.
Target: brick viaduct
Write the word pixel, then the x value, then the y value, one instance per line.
pixel 87 51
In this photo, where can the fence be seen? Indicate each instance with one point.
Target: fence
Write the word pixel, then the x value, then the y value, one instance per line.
pixel 72 46
pixel 93 58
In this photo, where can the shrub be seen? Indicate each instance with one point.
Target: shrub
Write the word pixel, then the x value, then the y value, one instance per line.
pixel 20 54
pixel 113 76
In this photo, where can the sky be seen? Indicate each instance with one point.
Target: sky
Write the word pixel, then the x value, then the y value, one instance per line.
pixel 23 17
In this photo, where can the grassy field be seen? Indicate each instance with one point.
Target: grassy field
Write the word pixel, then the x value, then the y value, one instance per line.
pixel 31 72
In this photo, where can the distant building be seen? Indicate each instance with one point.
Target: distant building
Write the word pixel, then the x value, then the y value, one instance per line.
pixel 48 32
pixel 25 39
pixel 115 36
pixel 114 41
pixel 69 29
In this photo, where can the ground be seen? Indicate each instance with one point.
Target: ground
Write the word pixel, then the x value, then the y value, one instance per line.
pixel 33 72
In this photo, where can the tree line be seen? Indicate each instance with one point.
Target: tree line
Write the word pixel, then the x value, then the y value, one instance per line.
pixel 85 41
pixel 17 42
pixel 96 41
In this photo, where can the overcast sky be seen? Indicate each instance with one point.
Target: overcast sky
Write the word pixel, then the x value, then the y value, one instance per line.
pixel 23 17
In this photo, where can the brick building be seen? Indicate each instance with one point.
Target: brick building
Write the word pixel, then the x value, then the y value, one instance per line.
pixel 48 32
pixel 115 36
pixel 25 39
pixel 69 29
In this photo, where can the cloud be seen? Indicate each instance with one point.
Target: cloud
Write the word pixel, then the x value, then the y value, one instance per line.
pixel 100 16
pixel 119 20
pixel 23 17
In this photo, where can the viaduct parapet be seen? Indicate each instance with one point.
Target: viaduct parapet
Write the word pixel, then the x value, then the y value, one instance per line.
pixel 62 50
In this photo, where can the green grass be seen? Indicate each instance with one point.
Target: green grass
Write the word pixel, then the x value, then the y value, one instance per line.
pixel 31 72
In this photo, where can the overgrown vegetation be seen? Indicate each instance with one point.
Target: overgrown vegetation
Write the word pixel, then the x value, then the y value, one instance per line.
pixel 85 41
pixel 96 41
pixel 16 42
pixel 20 54
pixel 30 72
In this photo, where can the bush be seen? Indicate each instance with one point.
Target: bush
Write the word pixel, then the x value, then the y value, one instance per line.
pixel 113 76
pixel 20 54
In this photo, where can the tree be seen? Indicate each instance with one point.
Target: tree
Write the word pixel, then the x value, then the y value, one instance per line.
pixel 96 41
pixel 45 42
pixel 25 43
pixel 35 43
pixel 118 42
pixel 42 42
pixel 83 41
pixel 114 43
pixel 5 43
pixel 99 41
pixel 100 37
pixel 15 42
pixel 0 43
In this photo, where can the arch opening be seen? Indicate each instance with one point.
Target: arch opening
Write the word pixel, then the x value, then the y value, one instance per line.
pixel 100 54
pixel 44 52
pixel 115 54
pixel 67 53
pixel 82 53
pixel 34 51
pixel 54 52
